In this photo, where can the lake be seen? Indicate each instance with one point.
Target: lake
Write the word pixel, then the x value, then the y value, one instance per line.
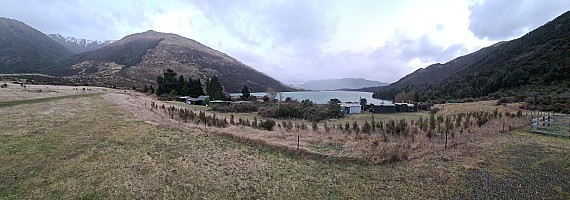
pixel 322 97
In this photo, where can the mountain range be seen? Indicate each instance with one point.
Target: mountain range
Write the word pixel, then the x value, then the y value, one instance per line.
pixel 534 68
pixel 133 61
pixel 339 84
pixel 24 49
pixel 79 45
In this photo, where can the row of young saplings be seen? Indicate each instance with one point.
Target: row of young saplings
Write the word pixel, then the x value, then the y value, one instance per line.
pixel 200 117
pixel 402 127
pixel 432 126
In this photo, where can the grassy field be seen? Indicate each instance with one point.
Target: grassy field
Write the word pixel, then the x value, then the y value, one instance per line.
pixel 55 98
pixel 89 148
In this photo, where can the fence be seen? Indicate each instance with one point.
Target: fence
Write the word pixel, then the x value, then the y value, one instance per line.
pixel 551 124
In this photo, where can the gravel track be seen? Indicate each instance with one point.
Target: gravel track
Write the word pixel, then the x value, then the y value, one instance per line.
pixel 534 174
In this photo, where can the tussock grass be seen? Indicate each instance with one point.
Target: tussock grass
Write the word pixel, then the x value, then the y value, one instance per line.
pixel 89 147
pixel 30 101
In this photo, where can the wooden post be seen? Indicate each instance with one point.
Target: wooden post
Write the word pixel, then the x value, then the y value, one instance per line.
pixel 503 126
pixel 298 139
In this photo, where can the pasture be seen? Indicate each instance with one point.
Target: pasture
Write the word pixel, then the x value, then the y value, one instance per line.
pixel 109 144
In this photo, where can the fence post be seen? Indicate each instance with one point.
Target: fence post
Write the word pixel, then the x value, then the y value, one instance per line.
pixel 298 138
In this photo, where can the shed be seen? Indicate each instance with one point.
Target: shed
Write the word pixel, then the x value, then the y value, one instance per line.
pixel 219 103
pixel 401 107
pixel 384 108
pixel 412 108
pixel 184 98
pixel 351 108
pixel 240 102
pixel 197 101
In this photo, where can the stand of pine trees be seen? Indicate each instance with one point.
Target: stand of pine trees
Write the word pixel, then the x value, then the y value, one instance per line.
pixel 171 84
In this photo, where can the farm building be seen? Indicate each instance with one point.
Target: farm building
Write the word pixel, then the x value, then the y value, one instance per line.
pixel 219 103
pixel 384 108
pixel 184 98
pixel 351 108
pixel 393 108
pixel 240 102
pixel 197 101
pixel 405 107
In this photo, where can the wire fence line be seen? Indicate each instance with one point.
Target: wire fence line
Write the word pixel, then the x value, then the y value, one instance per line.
pixel 550 124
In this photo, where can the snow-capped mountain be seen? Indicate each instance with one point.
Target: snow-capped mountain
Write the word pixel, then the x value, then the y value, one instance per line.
pixel 79 45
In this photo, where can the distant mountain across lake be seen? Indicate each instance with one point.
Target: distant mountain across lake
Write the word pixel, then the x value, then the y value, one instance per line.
pixel 339 84
pixel 322 97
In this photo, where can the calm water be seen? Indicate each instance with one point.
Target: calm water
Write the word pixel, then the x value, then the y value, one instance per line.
pixel 322 97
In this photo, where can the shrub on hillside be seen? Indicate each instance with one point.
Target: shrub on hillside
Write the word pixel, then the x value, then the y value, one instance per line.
pixel 304 110
pixel 241 108
pixel 267 124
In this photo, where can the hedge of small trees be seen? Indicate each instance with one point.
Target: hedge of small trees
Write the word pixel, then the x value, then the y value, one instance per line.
pixel 201 118
pixel 305 109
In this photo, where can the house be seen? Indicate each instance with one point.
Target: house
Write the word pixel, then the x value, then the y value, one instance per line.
pixel 351 108
pixel 184 98
pixel 401 107
pixel 383 108
pixel 197 101
pixel 397 107
pixel 412 108
pixel 240 102
pixel 220 103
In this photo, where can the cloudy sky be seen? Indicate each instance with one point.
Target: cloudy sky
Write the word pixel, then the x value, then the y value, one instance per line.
pixel 300 40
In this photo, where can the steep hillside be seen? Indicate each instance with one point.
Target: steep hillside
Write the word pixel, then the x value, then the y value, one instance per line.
pixel 24 49
pixel 78 45
pixel 534 68
pixel 138 59
pixel 342 83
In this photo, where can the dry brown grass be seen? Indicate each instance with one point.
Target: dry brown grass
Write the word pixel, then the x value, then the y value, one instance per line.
pixel 478 106
pixel 112 146
pixel 373 148
pixel 15 92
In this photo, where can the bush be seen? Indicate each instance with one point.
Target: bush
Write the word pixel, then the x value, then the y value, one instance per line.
pixel 240 108
pixel 433 110
pixel 509 99
pixel 267 124
pixel 304 110
pixel 424 106
pixel 165 97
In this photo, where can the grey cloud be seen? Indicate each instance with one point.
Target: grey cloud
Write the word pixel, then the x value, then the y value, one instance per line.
pixel 91 20
pixel 505 19
pixel 387 63
pixel 407 49
pixel 298 25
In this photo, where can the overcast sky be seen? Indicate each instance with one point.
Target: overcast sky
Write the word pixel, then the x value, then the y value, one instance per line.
pixel 296 41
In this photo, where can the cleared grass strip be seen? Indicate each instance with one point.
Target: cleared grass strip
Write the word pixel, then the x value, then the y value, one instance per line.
pixel 30 101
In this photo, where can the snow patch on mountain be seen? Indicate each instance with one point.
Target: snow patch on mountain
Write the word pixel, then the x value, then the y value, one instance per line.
pixel 79 45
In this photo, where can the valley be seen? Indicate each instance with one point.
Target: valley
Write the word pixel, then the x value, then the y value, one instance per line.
pixel 108 144
pixel 447 100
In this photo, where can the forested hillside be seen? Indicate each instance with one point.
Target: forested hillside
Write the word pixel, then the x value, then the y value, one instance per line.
pixel 534 68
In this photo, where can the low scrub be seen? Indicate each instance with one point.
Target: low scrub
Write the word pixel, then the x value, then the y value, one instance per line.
pixel 304 110
pixel 267 125
pixel 241 108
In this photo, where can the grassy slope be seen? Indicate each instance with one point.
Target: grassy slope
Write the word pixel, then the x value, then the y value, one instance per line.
pixel 87 148
pixel 31 101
